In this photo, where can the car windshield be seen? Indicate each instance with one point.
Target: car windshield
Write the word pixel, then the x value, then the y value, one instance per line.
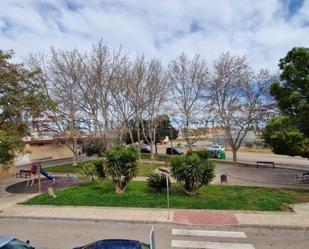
pixel 16 244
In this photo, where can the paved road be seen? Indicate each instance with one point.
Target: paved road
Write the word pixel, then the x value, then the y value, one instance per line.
pixel 262 176
pixel 253 157
pixel 278 159
pixel 67 234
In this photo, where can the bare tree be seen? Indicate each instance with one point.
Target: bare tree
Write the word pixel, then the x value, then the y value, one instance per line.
pixel 60 76
pixel 123 110
pixel 187 78
pixel 155 93
pixel 239 98
pixel 101 75
pixel 137 87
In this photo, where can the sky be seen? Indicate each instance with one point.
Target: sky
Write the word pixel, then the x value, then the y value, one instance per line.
pixel 263 30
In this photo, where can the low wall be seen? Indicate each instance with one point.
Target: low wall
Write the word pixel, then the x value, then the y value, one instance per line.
pixel 44 152
pixel 6 170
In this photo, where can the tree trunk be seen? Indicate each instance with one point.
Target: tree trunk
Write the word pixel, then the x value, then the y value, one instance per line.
pixel 75 153
pixel 139 140
pixel 119 190
pixel 75 158
pixel 151 150
pixel 234 155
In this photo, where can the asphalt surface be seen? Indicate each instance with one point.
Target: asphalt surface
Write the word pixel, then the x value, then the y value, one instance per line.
pixel 56 234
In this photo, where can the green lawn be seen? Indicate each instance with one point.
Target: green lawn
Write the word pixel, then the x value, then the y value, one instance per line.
pixel 144 169
pixel 63 168
pixel 211 197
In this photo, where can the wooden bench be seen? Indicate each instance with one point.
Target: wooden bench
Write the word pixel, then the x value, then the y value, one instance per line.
pixel 259 163
pixel 304 177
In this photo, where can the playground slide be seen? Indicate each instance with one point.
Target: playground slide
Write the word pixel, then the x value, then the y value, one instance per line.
pixel 45 173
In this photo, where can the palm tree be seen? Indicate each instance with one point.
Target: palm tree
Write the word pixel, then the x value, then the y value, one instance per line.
pixel 192 171
pixel 121 166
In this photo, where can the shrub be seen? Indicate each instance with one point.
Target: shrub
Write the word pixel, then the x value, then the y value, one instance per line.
pixel 121 166
pixel 157 182
pixel 88 171
pixel 94 146
pixel 98 163
pixel 192 172
pixel 203 154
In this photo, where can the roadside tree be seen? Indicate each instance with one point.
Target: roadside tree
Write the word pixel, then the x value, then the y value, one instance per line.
pixel 186 77
pixel 289 134
pixel 20 99
pixel 239 98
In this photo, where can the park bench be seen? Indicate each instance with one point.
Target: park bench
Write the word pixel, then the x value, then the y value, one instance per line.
pixel 304 177
pixel 265 163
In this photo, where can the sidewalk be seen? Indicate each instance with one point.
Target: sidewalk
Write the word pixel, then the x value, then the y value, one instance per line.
pixel 9 208
pixel 296 220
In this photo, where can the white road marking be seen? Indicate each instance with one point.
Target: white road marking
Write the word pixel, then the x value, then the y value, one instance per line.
pixel 209 245
pixel 211 233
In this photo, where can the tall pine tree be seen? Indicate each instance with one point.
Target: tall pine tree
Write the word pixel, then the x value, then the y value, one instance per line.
pixel 289 133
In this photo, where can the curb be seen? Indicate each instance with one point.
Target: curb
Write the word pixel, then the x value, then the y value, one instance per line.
pixel 85 219
pixel 288 227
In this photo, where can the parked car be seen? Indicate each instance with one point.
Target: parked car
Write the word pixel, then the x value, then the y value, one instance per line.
pixel 13 243
pixel 218 147
pixel 215 150
pixel 173 151
pixel 121 244
pixel 145 150
pixel 115 244
pixel 192 145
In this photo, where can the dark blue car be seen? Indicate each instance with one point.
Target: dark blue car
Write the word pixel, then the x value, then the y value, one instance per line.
pixel 115 244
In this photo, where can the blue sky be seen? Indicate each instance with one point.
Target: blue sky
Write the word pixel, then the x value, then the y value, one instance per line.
pixel 264 30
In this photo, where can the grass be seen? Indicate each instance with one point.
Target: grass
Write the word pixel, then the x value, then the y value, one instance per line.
pixel 158 157
pixel 64 168
pixel 144 169
pixel 211 197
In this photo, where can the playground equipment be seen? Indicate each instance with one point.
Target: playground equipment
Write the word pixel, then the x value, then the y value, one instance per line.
pixel 35 172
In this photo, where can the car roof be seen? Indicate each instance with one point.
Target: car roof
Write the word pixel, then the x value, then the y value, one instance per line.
pixel 117 244
pixel 4 240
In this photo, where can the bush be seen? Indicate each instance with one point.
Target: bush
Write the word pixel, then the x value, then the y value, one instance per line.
pixel 157 182
pixel 192 172
pixel 203 154
pixel 121 165
pixel 98 163
pixel 88 171
pixel 94 146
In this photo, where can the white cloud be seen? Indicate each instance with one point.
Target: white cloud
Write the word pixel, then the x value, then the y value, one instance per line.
pixel 263 30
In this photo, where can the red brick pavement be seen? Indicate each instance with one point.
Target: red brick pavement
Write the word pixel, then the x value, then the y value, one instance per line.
pixel 204 218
